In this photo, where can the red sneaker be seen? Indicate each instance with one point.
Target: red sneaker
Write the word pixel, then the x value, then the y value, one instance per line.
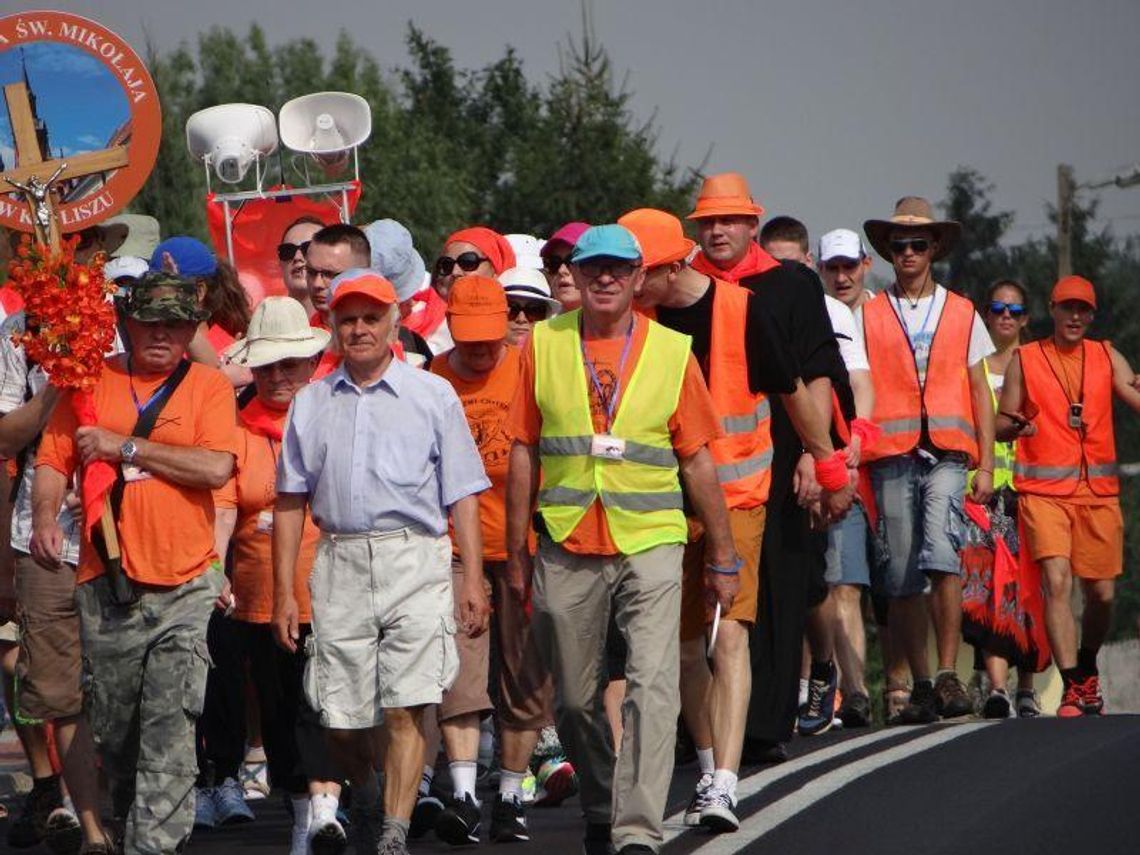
pixel 1081 698
pixel 1093 699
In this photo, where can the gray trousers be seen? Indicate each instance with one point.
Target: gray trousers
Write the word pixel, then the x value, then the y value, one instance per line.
pixel 144 670
pixel 573 598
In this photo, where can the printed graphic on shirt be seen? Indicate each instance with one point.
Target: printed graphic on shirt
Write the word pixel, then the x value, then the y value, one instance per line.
pixel 487 417
pixel 601 397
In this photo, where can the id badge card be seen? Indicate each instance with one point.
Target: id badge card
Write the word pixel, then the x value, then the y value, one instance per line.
pixel 607 447
pixel 132 473
pixel 265 522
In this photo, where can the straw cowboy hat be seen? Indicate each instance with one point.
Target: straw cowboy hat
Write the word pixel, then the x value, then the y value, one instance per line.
pixel 913 212
pixel 279 329
pixel 725 195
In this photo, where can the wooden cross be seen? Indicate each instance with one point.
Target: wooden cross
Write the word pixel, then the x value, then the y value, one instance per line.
pixel 35 176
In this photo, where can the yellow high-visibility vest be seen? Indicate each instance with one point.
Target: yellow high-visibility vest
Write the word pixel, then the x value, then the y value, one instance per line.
pixel 641 493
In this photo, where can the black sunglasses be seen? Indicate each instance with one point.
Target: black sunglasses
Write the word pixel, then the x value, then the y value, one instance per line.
pixel 534 312
pixel 1016 310
pixel 288 251
pixel 468 262
pixel 553 263
pixel 620 270
pixel 919 245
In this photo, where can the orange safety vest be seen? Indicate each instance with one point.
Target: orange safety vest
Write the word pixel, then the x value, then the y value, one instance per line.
pixel 744 454
pixel 901 401
pixel 1053 460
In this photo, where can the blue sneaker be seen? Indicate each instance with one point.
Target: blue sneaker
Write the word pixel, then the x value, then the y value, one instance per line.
pixel 229 804
pixel 817 715
pixel 205 811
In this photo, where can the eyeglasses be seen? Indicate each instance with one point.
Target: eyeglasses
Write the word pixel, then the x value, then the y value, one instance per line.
pixel 918 245
pixel 318 273
pixel 619 270
pixel 288 251
pixel 553 263
pixel 534 312
pixel 1016 310
pixel 468 262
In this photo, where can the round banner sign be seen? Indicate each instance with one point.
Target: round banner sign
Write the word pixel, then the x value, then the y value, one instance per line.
pixel 77 101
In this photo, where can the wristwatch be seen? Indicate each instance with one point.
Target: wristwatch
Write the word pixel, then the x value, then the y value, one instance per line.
pixel 128 450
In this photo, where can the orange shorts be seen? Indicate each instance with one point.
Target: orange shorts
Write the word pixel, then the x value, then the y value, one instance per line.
pixel 747 533
pixel 1091 536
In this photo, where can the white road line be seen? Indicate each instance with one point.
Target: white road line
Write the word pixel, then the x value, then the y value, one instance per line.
pixel 751 785
pixel 784 809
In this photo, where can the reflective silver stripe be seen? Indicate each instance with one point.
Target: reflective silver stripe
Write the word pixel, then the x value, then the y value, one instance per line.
pixel 566 496
pixel 749 421
pixel 946 422
pixel 1107 470
pixel 643 501
pixel 635 452
pixel 893 426
pixel 1047 473
pixel 726 472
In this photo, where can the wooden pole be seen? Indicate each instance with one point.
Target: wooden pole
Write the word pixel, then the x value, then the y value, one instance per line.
pixel 1065 189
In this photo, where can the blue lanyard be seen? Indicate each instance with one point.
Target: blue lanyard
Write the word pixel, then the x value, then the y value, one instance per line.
pixel 925 321
pixel 612 404
pixel 158 395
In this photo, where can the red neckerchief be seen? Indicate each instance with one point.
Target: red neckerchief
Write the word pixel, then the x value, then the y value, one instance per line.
pixel 426 321
pixel 263 420
pixel 754 262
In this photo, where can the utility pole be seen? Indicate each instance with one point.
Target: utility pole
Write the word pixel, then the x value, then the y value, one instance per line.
pixel 1065 189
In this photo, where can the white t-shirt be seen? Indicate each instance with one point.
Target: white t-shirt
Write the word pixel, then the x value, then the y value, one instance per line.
pixel 921 320
pixel 848 335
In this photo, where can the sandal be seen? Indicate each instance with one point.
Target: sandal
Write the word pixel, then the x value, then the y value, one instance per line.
pixel 895 697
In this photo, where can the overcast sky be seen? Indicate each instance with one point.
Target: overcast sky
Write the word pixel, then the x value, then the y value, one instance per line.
pixel 832 109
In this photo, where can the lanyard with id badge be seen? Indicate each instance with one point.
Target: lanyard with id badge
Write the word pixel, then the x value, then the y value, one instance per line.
pixel 606 446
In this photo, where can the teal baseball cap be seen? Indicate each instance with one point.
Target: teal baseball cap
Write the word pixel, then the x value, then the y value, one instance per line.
pixel 609 241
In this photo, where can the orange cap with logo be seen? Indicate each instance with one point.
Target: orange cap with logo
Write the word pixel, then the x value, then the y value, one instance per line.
pixel 1074 288
pixel 725 195
pixel 477 309
pixel 362 281
pixel 661 235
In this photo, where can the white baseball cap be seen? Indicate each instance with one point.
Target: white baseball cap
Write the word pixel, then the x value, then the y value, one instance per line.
pixel 841 243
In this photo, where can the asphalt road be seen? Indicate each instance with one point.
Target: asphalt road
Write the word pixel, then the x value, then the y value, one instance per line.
pixel 1045 786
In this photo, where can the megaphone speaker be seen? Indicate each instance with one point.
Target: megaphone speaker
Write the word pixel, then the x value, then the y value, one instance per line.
pixel 325 123
pixel 229 137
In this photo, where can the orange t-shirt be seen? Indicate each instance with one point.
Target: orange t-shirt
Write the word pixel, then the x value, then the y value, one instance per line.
pixel 693 425
pixel 166 530
pixel 252 492
pixel 487 404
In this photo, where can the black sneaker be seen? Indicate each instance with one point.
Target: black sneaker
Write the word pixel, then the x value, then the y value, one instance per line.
pixel 763 752
pixel 950 697
pixel 30 827
pixel 996 705
pixel 921 709
pixel 63 836
pixel 635 849
pixel 597 839
pixel 508 820
pixel 856 710
pixel 424 814
pixel 460 822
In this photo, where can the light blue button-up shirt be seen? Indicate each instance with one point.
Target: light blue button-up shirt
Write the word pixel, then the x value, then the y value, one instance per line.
pixel 394 454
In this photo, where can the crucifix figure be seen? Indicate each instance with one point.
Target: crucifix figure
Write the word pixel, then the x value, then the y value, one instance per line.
pixel 34 176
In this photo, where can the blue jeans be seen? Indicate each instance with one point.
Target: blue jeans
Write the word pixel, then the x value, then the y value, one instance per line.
pixel 846 556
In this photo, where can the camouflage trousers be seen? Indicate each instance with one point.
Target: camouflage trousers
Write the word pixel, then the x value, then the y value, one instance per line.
pixel 144 669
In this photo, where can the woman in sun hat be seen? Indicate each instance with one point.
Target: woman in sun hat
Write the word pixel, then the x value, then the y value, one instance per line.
pixel 528 301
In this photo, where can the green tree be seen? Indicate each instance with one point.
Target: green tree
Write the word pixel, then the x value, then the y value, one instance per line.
pixel 978 258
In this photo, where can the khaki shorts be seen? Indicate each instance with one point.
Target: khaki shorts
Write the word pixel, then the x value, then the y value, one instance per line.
pixel 383 630
pixel 468 694
pixel 1091 536
pixel 50 662
pixel 747 533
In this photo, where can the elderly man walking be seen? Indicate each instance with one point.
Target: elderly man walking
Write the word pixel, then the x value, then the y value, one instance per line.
pixel 614 409
pixel 381 452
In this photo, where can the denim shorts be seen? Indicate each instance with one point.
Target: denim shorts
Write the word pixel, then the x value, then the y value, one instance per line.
pixel 921 520
pixel 847 562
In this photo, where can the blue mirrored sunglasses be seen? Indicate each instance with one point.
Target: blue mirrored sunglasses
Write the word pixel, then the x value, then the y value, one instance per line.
pixel 1016 310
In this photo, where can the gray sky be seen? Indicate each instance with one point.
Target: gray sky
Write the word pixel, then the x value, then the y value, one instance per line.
pixel 832 109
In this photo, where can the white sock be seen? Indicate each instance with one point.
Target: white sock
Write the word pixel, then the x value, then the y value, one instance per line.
pixel 324 806
pixel 255 754
pixel 302 812
pixel 803 691
pixel 705 758
pixel 463 774
pixel 425 780
pixel 510 783
pixel 725 781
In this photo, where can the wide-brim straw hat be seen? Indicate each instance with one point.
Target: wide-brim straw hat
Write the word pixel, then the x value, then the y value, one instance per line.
pixel 913 212
pixel 279 329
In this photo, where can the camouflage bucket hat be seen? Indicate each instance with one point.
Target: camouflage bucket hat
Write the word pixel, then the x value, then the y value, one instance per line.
pixel 160 296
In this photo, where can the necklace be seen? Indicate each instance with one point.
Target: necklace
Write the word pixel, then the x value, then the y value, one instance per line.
pixel 913 304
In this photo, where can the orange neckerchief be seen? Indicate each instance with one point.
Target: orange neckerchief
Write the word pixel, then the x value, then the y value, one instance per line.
pixel 755 261
pixel 263 420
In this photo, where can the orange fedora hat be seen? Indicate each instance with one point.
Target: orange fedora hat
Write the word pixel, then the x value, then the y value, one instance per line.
pixel 725 195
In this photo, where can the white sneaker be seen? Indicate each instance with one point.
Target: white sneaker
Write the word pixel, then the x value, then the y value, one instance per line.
pixel 698 801
pixel 719 812
pixel 326 836
pixel 254 777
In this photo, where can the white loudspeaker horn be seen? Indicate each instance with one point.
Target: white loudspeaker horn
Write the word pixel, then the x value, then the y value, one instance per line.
pixel 326 126
pixel 231 137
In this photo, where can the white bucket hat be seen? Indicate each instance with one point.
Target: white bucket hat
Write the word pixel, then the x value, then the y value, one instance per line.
pixel 525 283
pixel 279 329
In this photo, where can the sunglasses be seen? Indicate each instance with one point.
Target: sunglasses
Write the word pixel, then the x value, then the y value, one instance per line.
pixel 553 263
pixel 619 270
pixel 288 251
pixel 918 245
pixel 1016 310
pixel 534 312
pixel 468 262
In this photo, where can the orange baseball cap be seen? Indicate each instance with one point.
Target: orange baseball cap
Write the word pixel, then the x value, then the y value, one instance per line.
pixel 1074 288
pixel 725 195
pixel 477 309
pixel 661 235
pixel 367 283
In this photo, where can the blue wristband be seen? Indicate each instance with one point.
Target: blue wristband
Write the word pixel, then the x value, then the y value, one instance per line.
pixel 734 570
